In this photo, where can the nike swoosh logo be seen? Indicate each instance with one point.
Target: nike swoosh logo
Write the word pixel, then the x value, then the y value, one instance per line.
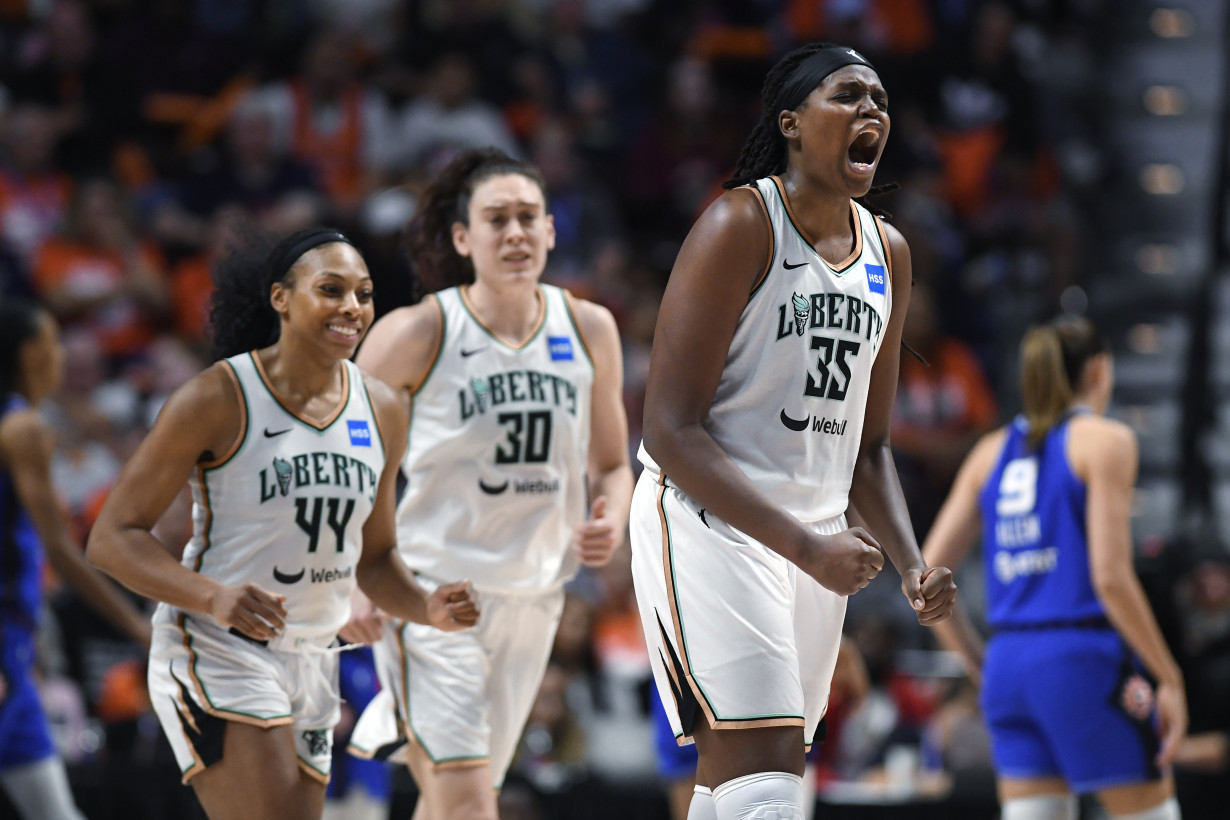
pixel 490 489
pixel 789 266
pixel 286 578
pixel 465 354
pixel 798 425
pixel 269 434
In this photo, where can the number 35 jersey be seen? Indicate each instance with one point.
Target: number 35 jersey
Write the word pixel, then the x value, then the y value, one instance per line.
pixel 496 460
pixel 285 510
pixel 790 403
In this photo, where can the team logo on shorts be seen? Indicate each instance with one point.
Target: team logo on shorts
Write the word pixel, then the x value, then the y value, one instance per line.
pixel 317 741
pixel 1137 698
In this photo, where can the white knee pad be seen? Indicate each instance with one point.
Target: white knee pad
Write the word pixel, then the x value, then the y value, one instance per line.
pixel 1166 810
pixel 764 796
pixel 1041 807
pixel 702 807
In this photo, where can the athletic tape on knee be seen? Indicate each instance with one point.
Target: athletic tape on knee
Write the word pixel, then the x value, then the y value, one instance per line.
pixel 702 806
pixel 1041 807
pixel 1167 810
pixel 763 796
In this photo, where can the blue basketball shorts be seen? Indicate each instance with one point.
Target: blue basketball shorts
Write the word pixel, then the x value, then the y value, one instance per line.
pixel 1071 703
pixel 24 734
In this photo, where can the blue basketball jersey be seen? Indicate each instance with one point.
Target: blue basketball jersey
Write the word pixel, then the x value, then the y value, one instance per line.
pixel 21 550
pixel 1035 550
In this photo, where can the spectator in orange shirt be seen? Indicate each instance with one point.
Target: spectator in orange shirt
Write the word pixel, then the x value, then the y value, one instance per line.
pixel 942 408
pixel 97 273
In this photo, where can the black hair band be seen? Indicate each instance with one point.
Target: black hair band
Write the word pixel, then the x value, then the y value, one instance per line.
pixel 812 71
pixel 279 265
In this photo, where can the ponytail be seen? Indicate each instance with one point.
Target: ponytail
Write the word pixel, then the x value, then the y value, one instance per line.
pixel 1053 359
pixel 436 263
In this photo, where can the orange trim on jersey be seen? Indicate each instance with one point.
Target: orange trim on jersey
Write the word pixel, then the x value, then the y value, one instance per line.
pixel 203 699
pixel 243 421
pixel 888 253
pixel 435 357
pixel 209 517
pixel 319 425
pixel 464 293
pixel 312 772
pixel 858 230
pixel 570 302
pixel 768 263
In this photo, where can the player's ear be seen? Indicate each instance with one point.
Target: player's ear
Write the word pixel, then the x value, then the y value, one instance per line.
pixel 788 124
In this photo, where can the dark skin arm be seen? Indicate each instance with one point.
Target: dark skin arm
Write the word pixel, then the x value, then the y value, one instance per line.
pixel 200 421
pixel 27 445
pixel 381 574
pixel 720 260
pixel 875 490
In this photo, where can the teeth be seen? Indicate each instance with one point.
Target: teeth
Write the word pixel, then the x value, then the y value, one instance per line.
pixel 345 331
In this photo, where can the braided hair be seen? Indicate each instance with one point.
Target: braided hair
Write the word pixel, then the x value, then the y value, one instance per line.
pixel 764 152
pixel 437 265
pixel 18 325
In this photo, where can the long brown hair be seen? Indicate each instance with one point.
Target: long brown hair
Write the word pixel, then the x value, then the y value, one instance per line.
pixel 1053 358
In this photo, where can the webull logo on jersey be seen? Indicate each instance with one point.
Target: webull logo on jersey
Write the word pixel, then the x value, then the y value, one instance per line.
pixel 317 470
pixel 517 387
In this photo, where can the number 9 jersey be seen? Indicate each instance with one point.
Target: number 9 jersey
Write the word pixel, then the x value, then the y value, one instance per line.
pixel 496 461
pixel 285 508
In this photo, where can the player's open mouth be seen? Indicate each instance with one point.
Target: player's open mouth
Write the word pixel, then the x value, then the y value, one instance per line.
pixel 865 149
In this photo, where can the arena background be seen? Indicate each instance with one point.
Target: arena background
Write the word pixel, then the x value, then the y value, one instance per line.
pixel 1052 154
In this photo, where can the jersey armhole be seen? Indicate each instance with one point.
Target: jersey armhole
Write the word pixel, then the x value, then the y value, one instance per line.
pixel 570 306
pixel 768 262
pixel 888 253
pixel 243 420
pixel 435 358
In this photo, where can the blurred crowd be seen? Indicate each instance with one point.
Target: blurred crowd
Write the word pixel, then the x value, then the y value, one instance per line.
pixel 137 136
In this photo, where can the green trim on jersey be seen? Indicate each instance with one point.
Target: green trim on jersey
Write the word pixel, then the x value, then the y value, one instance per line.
pixel 575 328
pixel 183 625
pixel 367 397
pixel 524 345
pixel 247 418
pixel 439 350
pixel 340 411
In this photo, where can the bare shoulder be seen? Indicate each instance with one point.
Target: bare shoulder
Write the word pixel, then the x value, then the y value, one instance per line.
pixel 383 397
pixel 24 434
pixel 728 249
pixel 982 457
pixel 401 346
pixel 595 322
pixel 1097 440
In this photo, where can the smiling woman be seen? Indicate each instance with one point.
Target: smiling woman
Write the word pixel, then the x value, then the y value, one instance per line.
pixel 244 679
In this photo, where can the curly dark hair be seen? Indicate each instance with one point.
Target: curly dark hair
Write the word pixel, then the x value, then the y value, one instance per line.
pixel 764 152
pixel 18 324
pixel 240 315
pixel 436 263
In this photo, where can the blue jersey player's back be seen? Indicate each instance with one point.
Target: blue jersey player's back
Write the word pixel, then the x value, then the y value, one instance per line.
pixel 1035 550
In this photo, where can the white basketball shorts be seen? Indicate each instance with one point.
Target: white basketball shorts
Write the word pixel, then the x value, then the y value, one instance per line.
pixel 201 676
pixel 463 697
pixel 738 636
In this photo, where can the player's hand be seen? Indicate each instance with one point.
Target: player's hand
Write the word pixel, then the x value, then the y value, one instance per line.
pixel 255 612
pixel 931 591
pixel 845 562
pixel 1172 709
pixel 366 624
pixel 595 539
pixel 453 607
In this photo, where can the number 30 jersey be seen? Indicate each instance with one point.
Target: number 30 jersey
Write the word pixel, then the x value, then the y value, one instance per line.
pixel 285 510
pixel 499 437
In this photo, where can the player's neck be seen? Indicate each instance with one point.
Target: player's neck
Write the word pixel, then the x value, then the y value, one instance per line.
pixel 511 312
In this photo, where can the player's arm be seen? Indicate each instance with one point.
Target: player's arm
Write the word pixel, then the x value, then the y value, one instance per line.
pixel 401 348
pixel 875 489
pixel 201 423
pixel 381 574
pixel 1104 454
pixel 608 471
pixel 29 444
pixel 724 255
pixel 952 535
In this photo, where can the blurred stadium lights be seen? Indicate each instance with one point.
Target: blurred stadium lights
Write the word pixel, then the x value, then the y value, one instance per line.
pixel 1165 100
pixel 1161 179
pixel 1171 22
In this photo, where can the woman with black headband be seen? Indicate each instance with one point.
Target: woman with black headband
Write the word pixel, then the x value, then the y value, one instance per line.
pixel 766 436
pixel 285 444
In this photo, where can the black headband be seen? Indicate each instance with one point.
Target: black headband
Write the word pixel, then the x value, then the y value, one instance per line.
pixel 281 263
pixel 812 71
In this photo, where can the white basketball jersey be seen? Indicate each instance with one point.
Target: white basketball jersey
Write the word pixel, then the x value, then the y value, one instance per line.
pixel 496 461
pixel 789 407
pixel 287 508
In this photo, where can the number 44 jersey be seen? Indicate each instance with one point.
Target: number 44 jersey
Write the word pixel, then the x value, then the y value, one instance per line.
pixel 285 509
pixel 499 437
